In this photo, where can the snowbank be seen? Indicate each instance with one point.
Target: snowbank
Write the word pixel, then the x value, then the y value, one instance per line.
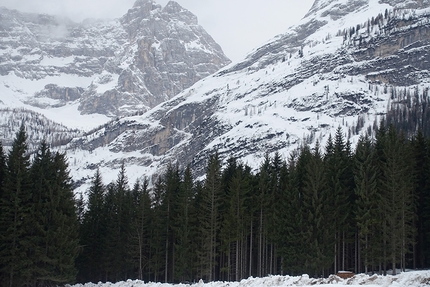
pixel 414 279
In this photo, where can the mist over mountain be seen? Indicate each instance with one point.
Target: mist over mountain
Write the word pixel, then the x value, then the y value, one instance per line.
pixel 111 68
pixel 344 64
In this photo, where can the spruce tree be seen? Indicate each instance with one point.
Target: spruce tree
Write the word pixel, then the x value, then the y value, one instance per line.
pixel 263 224
pixel 2 169
pixel 318 217
pixel 16 221
pixel 43 198
pixel 235 225
pixel 227 228
pixel 290 219
pixel 274 196
pixel 398 199
pixel 380 157
pixel 210 217
pixel 141 218
pixel 172 182
pixel 420 150
pixel 183 228
pixel 118 228
pixel 63 231
pixel 367 212
pixel 110 265
pixel 2 179
pixel 93 233
pixel 157 231
pixel 339 180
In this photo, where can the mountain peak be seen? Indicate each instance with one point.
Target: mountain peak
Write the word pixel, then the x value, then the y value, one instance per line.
pixel 139 3
pixel 174 6
pixel 178 12
pixel 142 9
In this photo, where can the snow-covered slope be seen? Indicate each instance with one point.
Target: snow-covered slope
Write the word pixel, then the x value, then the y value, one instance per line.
pixel 54 66
pixel 338 67
pixel 409 279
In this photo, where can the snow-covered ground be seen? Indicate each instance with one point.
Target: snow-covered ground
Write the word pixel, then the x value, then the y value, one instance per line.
pixel 414 279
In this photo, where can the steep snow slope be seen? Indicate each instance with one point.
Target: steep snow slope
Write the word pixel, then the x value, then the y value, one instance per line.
pixel 338 67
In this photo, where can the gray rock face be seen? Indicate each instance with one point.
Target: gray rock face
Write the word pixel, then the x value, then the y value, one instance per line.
pixel 63 95
pixel 168 51
pixel 132 63
pixel 38 46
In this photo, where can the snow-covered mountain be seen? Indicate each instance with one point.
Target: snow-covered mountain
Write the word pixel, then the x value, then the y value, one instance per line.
pixel 339 66
pixel 106 68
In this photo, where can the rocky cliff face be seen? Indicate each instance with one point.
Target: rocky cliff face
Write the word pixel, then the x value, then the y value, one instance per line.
pixel 166 52
pixel 340 66
pixel 114 68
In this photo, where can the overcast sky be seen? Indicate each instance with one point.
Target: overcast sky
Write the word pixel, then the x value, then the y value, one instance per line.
pixel 237 25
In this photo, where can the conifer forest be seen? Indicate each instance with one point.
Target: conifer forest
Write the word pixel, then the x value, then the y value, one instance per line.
pixel 320 210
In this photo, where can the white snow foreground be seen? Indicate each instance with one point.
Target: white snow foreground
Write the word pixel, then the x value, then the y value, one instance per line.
pixel 414 279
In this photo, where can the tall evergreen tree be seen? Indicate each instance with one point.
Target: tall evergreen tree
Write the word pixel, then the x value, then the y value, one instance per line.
pixel 318 217
pixel 274 196
pixel 339 180
pixel 263 216
pixel 290 220
pixel 141 218
pixel 63 228
pixel 118 203
pixel 420 154
pixel 2 179
pixel 158 228
pixel 235 224
pixel 2 169
pixel 16 221
pixel 398 199
pixel 172 188
pixel 183 228
pixel 367 211
pixel 380 146
pixel 93 233
pixel 210 217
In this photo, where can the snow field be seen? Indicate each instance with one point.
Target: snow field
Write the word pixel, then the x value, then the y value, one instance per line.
pixel 406 279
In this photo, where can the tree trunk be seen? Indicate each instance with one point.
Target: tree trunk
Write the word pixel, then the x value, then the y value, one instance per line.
pixel 250 251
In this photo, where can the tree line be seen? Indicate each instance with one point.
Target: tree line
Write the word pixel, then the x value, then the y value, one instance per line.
pixel 319 211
